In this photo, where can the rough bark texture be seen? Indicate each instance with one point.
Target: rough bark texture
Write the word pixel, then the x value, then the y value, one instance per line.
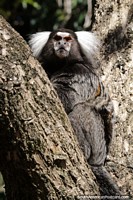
pixel 39 156
pixel 114 25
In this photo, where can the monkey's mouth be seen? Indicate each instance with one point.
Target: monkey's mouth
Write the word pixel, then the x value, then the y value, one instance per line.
pixel 62 49
pixel 61 53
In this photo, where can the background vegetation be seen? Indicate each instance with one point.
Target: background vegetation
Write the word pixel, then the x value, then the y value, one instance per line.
pixel 29 16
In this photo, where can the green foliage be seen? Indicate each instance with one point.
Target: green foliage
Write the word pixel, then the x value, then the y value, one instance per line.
pixel 28 16
pixel 33 3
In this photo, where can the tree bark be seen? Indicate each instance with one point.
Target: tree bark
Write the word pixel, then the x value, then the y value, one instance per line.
pixel 39 155
pixel 114 23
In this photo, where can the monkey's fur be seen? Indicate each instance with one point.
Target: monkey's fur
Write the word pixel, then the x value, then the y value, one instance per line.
pixel 89 108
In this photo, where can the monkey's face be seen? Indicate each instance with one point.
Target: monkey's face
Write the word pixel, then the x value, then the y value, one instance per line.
pixel 62 44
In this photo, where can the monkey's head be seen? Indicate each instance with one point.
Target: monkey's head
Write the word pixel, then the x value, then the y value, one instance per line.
pixel 64 43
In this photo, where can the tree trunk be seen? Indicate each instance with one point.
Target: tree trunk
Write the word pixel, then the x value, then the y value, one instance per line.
pixel 39 155
pixel 114 25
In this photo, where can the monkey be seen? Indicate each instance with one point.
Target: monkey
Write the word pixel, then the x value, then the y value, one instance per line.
pixel 68 58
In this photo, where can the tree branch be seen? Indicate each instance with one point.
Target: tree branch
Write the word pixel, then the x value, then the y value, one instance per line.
pixel 39 155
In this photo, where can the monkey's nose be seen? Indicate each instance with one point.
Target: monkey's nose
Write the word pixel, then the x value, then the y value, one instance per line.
pixel 61 42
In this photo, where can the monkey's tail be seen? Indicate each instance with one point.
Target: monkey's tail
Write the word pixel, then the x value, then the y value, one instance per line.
pixel 107 186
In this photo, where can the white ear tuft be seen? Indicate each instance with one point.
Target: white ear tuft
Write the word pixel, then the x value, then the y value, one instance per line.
pixel 37 42
pixel 89 43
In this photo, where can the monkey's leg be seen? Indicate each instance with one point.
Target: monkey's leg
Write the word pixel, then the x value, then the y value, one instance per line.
pixel 89 129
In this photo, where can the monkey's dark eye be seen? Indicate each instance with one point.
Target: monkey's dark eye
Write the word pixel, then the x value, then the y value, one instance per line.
pixel 57 37
pixel 68 38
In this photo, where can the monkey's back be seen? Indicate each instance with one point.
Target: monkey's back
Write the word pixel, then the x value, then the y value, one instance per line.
pixel 75 83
